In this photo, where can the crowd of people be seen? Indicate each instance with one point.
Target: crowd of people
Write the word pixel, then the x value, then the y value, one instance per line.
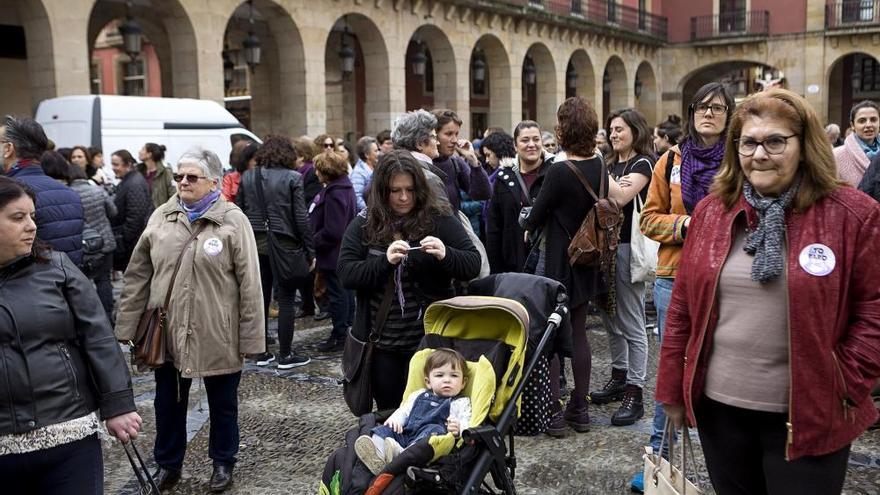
pixel 764 287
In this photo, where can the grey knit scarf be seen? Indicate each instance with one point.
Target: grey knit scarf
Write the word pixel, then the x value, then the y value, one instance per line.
pixel 766 243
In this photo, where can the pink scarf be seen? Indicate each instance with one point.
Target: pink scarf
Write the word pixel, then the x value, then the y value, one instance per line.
pixel 851 161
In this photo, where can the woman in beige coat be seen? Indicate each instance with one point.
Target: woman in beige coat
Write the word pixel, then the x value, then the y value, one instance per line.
pixel 215 315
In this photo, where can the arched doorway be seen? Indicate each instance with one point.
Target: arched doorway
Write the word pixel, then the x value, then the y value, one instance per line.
pixel 27 52
pixel 268 96
pixel 113 72
pixel 645 90
pixel 615 87
pixel 167 27
pixel 579 76
pixel 430 70
pixel 741 78
pixel 356 65
pixel 539 99
pixel 851 79
pixel 490 98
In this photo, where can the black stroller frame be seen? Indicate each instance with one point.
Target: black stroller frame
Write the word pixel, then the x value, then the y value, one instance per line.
pixel 495 459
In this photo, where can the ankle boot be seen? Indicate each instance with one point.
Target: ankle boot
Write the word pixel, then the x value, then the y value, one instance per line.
pixel 576 414
pixel 613 390
pixel 557 428
pixel 632 408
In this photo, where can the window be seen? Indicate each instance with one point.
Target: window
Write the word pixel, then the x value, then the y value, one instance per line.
pixel 870 75
pixel 857 10
pixel 612 11
pixel 731 16
pixel 642 16
pixel 95 77
pixel 134 78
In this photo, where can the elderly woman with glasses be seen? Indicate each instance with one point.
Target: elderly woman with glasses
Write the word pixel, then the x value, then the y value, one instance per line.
pixel 205 247
pixel 772 338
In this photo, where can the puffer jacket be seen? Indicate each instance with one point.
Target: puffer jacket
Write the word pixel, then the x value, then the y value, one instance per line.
pixel 59 209
pixel 833 318
pixel 216 310
pixel 134 207
pixel 285 205
pixel 98 209
pixel 59 359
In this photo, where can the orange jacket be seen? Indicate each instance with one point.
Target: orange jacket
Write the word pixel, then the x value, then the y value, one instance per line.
pixel 664 214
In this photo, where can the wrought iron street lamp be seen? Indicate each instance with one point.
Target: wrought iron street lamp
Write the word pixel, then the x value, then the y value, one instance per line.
pixel 132 35
pixel 478 66
pixel 638 87
pixel 419 60
pixel 571 77
pixel 529 72
pixel 252 45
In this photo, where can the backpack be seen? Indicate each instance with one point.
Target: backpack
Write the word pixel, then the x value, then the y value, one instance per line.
pixel 595 242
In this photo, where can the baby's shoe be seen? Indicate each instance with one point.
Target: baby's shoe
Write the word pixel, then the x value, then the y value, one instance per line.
pixel 368 454
pixel 392 449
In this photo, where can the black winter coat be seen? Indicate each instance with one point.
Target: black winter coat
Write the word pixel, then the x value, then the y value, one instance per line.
pixel 366 268
pixel 133 208
pixel 870 183
pixel 286 207
pixel 59 359
pixel 505 243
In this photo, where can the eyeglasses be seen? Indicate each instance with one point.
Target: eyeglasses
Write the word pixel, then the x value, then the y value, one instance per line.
pixel 716 108
pixel 328 145
pixel 191 178
pixel 773 145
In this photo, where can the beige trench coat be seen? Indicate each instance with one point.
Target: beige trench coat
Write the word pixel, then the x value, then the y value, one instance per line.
pixel 216 310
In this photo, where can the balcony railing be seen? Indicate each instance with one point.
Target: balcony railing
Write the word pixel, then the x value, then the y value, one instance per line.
pixel 605 12
pixel 730 24
pixel 852 13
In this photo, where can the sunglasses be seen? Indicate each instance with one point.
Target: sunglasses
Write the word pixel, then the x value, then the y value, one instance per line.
pixel 191 178
pixel 329 145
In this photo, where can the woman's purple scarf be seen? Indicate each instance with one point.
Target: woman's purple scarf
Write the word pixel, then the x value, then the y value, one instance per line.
pixel 197 209
pixel 698 169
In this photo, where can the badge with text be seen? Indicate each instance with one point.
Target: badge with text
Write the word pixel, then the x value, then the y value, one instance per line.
pixel 817 259
pixel 213 246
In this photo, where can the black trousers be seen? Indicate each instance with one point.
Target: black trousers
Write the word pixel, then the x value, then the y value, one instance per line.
pixel 389 373
pixel 745 454
pixel 341 304
pixel 171 401
pixel 74 468
pixel 286 297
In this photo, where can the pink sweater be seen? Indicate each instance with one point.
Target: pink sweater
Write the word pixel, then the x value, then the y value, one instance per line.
pixel 851 161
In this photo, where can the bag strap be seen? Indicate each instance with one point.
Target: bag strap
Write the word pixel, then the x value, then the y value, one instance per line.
pixel 670 162
pixel 192 237
pixel 382 313
pixel 261 196
pixel 522 185
pixel 584 182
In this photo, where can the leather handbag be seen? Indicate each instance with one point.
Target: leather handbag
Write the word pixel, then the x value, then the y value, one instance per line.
pixel 357 359
pixel 289 265
pixel 661 477
pixel 149 341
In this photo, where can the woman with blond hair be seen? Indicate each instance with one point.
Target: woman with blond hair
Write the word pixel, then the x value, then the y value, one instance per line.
pixel 772 339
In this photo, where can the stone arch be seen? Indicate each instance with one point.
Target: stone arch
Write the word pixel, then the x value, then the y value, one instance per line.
pixel 586 79
pixel 495 104
pixel 646 93
pixel 843 91
pixel 441 64
pixel 35 69
pixel 349 112
pixel 616 89
pixel 277 86
pixel 168 26
pixel 541 99
pixel 737 74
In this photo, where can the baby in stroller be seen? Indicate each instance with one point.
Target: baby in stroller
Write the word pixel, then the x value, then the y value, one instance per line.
pixel 435 410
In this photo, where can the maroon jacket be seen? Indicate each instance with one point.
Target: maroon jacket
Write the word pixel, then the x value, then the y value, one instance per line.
pixel 834 320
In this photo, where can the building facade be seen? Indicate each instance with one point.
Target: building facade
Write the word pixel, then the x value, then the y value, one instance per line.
pixel 349 66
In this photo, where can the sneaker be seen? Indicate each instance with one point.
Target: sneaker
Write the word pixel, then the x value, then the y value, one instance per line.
pixel 331 345
pixel 292 361
pixel 637 484
pixel 392 449
pixel 368 454
pixel 264 359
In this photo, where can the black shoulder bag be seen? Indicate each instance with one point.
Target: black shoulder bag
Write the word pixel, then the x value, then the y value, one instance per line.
pixel 289 265
pixel 357 359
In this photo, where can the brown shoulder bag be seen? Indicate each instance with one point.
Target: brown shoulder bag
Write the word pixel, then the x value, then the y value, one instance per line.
pixel 595 242
pixel 148 351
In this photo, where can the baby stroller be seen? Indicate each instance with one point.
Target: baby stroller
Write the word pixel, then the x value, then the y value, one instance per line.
pixel 491 333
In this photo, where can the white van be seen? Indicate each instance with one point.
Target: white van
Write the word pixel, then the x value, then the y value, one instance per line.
pixel 128 122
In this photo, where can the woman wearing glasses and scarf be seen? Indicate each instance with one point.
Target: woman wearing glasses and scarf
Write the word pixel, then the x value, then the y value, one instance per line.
pixel 772 338
pixel 215 314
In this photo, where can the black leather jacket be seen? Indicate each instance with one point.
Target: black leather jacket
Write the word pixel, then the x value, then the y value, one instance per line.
pixel 59 359
pixel 288 213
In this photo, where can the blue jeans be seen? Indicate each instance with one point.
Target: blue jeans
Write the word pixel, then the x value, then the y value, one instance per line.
pixel 428 417
pixel 662 297
pixel 341 305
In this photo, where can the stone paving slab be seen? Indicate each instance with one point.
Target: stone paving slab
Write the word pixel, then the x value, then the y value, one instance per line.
pixel 292 420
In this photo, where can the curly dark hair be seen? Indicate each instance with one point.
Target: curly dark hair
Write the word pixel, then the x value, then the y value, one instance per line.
pixel 576 127
pixel 276 152
pixel 382 223
pixel 501 143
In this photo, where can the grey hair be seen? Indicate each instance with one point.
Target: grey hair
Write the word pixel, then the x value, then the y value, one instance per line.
pixel 412 129
pixel 27 137
pixel 547 135
pixel 206 160
pixel 832 128
pixel 363 146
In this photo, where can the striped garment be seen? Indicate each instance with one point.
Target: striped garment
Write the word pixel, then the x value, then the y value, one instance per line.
pixel 403 327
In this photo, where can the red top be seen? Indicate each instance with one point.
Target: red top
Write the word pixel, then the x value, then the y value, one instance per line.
pixel 229 186
pixel 833 315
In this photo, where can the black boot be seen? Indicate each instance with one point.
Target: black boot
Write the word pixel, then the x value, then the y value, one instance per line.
pixel 166 478
pixel 613 390
pixel 221 478
pixel 632 408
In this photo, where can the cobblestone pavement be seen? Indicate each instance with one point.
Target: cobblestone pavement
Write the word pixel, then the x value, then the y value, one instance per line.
pixel 292 420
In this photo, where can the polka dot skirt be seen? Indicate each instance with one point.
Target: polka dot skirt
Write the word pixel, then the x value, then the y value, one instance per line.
pixel 535 410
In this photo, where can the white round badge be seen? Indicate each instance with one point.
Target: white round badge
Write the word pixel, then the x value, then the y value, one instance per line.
pixel 817 260
pixel 213 246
